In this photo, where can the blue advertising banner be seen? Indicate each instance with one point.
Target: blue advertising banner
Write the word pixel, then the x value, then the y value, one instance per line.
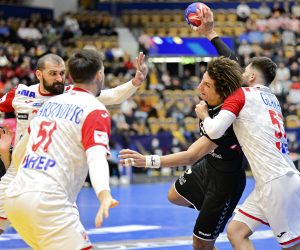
pixel 177 46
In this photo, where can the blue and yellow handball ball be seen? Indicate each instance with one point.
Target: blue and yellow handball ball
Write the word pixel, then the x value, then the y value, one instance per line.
pixel 191 15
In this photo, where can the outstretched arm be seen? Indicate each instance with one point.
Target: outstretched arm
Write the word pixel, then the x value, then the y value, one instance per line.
pixel 99 174
pixel 6 136
pixel 120 93
pixel 207 29
pixel 196 151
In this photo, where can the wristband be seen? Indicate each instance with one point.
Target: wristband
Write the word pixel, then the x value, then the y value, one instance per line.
pixel 152 161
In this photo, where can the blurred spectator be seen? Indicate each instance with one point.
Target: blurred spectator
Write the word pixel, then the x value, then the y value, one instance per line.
pixel 295 9
pixel 28 32
pixel 294 23
pixel 295 71
pixel 283 73
pixel 286 6
pixel 113 162
pixel 277 7
pixel 166 78
pixel 243 11
pixel 294 93
pixel 288 37
pixel 281 85
pixel 71 24
pixel 274 22
pixel 264 10
pixel 3 58
pixel 244 51
pixel 128 106
pixel 4 30
pixel 279 57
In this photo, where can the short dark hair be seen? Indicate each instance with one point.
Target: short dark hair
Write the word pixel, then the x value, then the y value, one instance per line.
pixel 84 65
pixel 48 58
pixel 227 74
pixel 265 66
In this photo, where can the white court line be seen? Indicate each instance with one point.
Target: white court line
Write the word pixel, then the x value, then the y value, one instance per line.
pixel 170 242
pixel 145 243
pixel 95 231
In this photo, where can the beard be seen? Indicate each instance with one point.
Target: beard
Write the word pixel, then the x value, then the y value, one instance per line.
pixel 55 88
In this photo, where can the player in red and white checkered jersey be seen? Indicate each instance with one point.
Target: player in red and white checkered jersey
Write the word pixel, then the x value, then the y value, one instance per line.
pixel 25 101
pixel 258 124
pixel 69 136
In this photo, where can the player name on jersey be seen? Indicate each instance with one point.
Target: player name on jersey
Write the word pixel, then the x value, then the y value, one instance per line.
pixel 66 111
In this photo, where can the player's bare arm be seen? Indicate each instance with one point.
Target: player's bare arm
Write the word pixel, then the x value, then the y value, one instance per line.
pixel 6 136
pixel 121 93
pixel 196 151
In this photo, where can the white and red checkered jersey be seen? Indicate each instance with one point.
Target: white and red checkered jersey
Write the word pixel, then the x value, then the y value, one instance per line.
pixel 260 131
pixel 25 101
pixel 64 128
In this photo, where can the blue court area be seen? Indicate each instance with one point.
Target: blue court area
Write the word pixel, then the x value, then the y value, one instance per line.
pixel 144 220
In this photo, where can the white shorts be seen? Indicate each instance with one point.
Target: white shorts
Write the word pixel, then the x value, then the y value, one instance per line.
pixel 276 204
pixel 5 181
pixel 47 221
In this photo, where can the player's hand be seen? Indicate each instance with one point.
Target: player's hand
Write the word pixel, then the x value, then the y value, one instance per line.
pixel 6 136
pixel 130 157
pixel 106 202
pixel 141 70
pixel 207 26
pixel 202 110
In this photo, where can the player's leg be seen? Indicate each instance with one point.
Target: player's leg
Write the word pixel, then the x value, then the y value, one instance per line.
pixel 247 218
pixel 59 221
pixel 48 221
pixel 176 198
pixel 200 244
pixel 188 190
pixel 221 197
pixel 5 181
pixel 21 212
pixel 282 209
pixel 238 234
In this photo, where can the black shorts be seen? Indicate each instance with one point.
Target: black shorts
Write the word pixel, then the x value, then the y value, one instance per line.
pixel 212 193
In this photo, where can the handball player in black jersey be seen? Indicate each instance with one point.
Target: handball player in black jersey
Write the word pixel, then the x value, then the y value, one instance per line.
pixel 216 182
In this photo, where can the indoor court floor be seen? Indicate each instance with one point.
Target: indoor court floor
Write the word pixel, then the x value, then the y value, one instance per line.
pixel 144 220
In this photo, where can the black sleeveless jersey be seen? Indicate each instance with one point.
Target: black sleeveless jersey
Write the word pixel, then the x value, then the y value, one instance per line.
pixel 228 156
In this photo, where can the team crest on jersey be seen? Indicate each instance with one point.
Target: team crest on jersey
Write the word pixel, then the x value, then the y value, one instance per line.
pixel 25 92
pixel 101 137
